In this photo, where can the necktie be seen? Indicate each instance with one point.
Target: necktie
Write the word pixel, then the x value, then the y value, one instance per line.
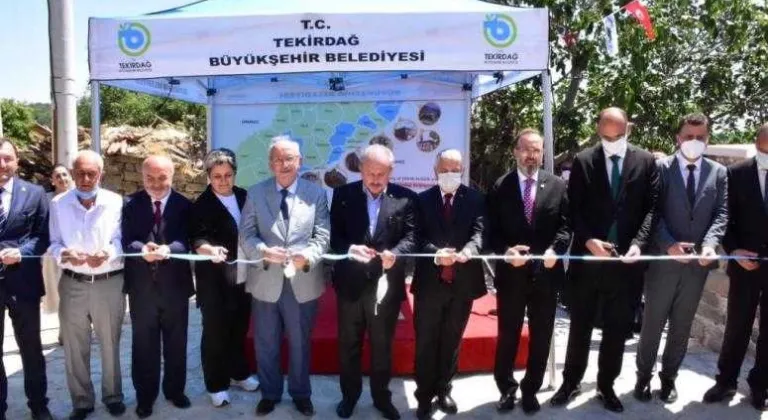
pixel 3 214
pixel 528 200
pixel 765 193
pixel 284 204
pixel 158 216
pixel 447 273
pixel 690 187
pixel 615 186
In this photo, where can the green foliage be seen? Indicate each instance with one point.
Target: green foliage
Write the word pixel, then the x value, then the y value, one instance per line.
pixel 18 119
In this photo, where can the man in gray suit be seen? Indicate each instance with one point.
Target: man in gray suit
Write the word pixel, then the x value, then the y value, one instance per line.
pixel 285 222
pixel 693 215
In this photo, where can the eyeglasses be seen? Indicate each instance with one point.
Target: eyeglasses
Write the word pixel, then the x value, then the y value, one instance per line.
pixel 287 159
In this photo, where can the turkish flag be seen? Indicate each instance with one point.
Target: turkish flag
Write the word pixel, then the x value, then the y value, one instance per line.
pixel 640 12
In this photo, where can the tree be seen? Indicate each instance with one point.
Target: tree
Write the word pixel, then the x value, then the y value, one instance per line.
pixel 18 119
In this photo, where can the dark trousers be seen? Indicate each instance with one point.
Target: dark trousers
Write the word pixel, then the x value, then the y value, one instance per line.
pixel 226 311
pixel 295 320
pixel 539 297
pixel 355 318
pixel 744 294
pixel 154 321
pixel 439 319
pixel 617 286
pixel 25 318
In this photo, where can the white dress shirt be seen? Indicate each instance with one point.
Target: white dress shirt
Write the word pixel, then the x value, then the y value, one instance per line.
pixel 374 206
pixel 521 177
pixel 761 179
pixel 91 230
pixel 230 202
pixel 683 164
pixel 609 163
pixel 5 197
pixel 443 194
pixel 163 202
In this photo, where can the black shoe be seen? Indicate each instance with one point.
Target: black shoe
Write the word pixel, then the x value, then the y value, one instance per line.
pixel 304 406
pixel 506 403
pixel 80 413
pixel 265 407
pixel 719 393
pixel 180 401
pixel 610 400
pixel 143 412
pixel 758 400
pixel 345 408
pixel 565 394
pixel 387 410
pixel 116 408
pixel 668 392
pixel 446 404
pixel 642 389
pixel 530 404
pixel 424 411
pixel 42 414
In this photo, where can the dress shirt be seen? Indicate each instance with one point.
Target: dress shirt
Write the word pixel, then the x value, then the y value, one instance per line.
pixel 443 194
pixel 91 230
pixel 521 177
pixel 6 196
pixel 683 164
pixel 163 202
pixel 760 178
pixel 291 197
pixel 230 202
pixel 374 205
pixel 609 162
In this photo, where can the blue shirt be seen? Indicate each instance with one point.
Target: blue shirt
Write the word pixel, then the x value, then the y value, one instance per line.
pixel 374 205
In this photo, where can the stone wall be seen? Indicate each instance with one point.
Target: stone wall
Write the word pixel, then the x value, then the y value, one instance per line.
pixel 122 174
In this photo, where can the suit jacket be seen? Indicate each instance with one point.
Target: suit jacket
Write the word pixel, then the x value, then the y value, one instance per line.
pixel 748 219
pixel 171 278
pixel 465 230
pixel 509 227
pixel 593 209
pixel 26 228
pixel 705 223
pixel 307 232
pixel 211 223
pixel 395 231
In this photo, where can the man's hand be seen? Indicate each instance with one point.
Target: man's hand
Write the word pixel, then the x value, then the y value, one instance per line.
pixel 515 255
pixel 73 257
pixel 388 259
pixel 708 255
pixel 299 261
pixel 219 253
pixel 746 264
pixel 463 256
pixel 550 258
pixel 149 252
pixel 275 254
pixel 599 248
pixel 446 256
pixel 362 253
pixel 679 249
pixel 163 251
pixel 96 259
pixel 10 256
pixel 631 255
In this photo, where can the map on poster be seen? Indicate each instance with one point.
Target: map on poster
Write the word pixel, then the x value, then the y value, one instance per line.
pixel 332 136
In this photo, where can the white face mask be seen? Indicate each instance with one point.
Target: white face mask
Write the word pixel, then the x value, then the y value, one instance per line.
pixel 693 149
pixel 614 147
pixel 762 160
pixel 449 182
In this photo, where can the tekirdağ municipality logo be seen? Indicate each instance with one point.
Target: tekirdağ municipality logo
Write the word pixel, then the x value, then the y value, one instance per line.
pixel 133 38
pixel 499 30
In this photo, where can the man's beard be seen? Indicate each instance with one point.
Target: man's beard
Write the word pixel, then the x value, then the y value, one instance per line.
pixel 529 169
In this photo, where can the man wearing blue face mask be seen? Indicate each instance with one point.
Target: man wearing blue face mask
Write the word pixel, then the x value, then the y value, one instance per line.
pixel 452 220
pixel 693 215
pixel 747 236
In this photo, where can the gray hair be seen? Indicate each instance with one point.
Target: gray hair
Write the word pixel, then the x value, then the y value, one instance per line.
pixel 283 140
pixel 89 154
pixel 221 156
pixel 378 153
pixel 449 154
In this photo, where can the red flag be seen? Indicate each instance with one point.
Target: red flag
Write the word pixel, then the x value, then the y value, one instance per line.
pixel 640 12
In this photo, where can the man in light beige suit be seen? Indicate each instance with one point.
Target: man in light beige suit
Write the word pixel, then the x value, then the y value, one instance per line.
pixel 285 222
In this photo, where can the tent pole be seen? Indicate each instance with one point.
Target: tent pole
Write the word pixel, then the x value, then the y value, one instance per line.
pixel 209 118
pixel 96 116
pixel 549 137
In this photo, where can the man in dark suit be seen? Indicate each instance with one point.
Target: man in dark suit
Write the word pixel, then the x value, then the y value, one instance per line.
pixel 451 225
pixel 23 232
pixel 373 221
pixel 612 193
pixel 528 210
pixel 746 236
pixel 155 224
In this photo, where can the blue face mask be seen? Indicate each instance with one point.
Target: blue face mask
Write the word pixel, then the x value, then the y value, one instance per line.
pixel 86 195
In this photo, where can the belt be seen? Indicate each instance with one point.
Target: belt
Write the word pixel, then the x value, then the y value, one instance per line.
pixel 90 278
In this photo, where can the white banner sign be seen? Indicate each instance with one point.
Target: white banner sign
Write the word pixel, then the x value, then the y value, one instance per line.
pixel 160 46
pixel 332 136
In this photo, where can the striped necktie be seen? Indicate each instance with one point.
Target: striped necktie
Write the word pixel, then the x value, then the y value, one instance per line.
pixel 3 214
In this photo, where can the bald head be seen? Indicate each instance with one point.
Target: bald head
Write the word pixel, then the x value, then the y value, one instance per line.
pixel 157 174
pixel 376 166
pixel 529 151
pixel 612 124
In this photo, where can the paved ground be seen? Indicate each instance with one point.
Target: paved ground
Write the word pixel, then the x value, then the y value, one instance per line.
pixel 475 394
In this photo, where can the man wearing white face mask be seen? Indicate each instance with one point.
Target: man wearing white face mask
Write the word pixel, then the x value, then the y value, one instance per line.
pixel 693 215
pixel 452 223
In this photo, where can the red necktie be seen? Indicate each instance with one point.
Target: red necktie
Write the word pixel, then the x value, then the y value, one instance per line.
pixel 158 216
pixel 447 273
